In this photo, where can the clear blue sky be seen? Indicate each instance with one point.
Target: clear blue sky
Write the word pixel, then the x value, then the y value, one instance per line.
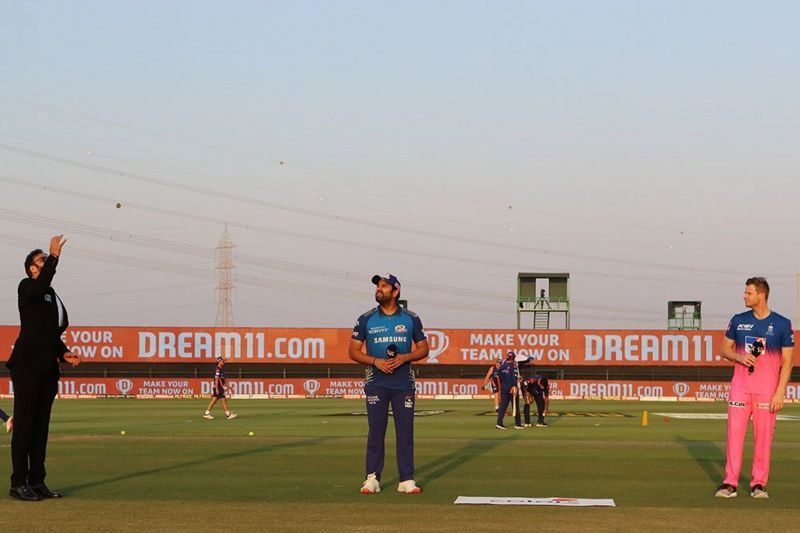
pixel 647 148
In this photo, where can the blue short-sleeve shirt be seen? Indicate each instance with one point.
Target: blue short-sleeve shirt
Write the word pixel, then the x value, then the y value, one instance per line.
pixel 384 333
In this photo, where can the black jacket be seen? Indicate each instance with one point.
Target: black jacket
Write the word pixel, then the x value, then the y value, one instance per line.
pixel 39 346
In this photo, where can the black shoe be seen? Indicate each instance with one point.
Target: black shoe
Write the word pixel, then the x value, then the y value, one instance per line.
pixel 45 492
pixel 726 490
pixel 24 493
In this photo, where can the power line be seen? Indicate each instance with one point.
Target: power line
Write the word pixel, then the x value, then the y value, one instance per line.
pixel 339 242
pixel 281 162
pixel 357 221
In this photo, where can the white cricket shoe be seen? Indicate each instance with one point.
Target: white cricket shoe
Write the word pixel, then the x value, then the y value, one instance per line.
pixel 231 416
pixel 409 487
pixel 9 424
pixel 371 485
pixel 208 416
pixel 759 491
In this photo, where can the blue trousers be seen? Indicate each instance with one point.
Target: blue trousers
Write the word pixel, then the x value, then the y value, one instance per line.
pixel 402 402
pixel 539 399
pixel 505 399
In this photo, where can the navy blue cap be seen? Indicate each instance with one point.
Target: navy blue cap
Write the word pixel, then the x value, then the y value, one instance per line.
pixel 391 279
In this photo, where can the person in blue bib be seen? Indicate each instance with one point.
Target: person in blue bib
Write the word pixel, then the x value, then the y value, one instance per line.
pixel 387 339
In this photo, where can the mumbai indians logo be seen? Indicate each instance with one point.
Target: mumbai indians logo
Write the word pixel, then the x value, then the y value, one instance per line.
pixel 681 389
pixel 124 386
pixel 311 386
pixel 438 343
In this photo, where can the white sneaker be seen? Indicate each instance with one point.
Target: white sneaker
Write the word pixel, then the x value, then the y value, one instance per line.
pixel 371 485
pixel 9 424
pixel 759 491
pixel 231 416
pixel 409 487
pixel 208 416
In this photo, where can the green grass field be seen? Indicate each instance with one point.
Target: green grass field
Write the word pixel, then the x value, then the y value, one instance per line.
pixel 174 471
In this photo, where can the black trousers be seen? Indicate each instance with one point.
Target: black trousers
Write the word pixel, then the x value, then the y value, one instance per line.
pixel 539 406
pixel 34 393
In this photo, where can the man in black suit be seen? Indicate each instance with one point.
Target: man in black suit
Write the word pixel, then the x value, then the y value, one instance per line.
pixel 34 367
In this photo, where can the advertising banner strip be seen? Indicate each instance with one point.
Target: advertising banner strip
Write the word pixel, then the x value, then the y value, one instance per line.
pixel 350 388
pixel 641 348
pixel 559 502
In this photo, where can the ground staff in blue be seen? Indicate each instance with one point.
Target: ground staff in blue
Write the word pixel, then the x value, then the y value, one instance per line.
pixel 509 392
pixel 536 389
pixel 394 338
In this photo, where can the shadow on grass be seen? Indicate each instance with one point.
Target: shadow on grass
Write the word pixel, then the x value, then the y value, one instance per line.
pixel 196 462
pixel 706 454
pixel 446 464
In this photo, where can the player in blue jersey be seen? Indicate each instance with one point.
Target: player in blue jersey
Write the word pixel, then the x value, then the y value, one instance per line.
pixel 8 421
pixel 492 379
pixel 387 339
pixel 219 392
pixel 536 389
pixel 761 344
pixel 509 391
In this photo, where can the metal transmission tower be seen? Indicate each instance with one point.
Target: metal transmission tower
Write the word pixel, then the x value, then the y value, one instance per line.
pixel 225 280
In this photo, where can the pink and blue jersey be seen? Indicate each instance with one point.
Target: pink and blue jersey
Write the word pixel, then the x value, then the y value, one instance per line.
pixel 387 336
pixel 767 336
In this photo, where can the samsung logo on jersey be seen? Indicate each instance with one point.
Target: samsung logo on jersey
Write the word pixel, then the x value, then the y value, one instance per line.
pixel 390 339
pixel 744 327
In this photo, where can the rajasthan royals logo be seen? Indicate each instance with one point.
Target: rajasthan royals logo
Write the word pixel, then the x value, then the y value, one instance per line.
pixel 311 386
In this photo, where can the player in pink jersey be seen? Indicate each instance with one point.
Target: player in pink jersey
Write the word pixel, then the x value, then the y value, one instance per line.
pixel 761 343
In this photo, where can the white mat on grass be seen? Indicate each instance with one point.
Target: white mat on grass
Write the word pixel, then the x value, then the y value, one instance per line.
pixel 563 502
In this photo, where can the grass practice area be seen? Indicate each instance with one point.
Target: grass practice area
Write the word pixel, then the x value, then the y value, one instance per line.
pixel 303 466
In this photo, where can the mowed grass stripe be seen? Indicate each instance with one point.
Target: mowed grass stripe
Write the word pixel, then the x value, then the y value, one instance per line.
pixel 304 466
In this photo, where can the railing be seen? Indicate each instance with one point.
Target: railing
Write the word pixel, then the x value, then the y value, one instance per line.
pixel 544 304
